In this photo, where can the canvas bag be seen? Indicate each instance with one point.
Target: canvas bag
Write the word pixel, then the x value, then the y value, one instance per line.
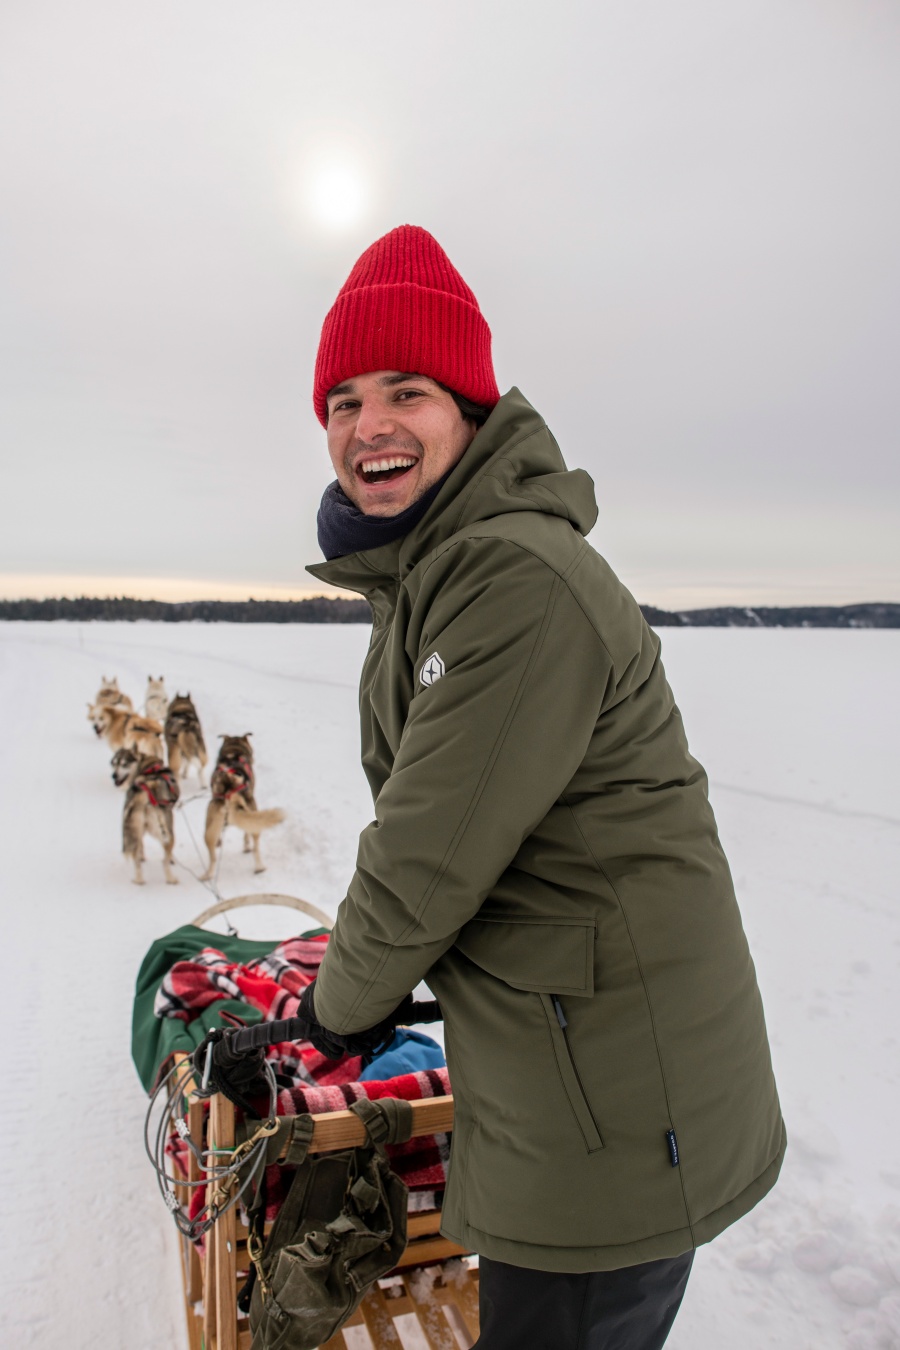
pixel 341 1227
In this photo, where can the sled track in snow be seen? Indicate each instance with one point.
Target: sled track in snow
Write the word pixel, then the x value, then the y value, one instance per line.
pixel 825 807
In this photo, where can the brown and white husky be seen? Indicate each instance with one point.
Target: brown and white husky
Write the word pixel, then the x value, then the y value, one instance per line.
pixel 108 696
pixel 233 802
pixel 124 729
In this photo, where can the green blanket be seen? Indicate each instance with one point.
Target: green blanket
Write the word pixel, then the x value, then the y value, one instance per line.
pixel 154 1039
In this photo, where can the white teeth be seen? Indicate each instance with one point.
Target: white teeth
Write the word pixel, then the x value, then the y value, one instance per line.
pixel 382 465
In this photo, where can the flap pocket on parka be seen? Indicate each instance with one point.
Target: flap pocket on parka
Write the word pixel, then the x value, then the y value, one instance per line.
pixel 542 956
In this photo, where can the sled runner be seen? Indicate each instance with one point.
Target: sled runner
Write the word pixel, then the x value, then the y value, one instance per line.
pixel 432 1287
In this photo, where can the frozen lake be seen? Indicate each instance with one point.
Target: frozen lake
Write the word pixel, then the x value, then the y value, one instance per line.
pixel 798 730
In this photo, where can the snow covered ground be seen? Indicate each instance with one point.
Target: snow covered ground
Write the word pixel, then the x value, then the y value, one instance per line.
pixel 799 732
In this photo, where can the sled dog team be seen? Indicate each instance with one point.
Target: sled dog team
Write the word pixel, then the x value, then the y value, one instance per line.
pixel 151 781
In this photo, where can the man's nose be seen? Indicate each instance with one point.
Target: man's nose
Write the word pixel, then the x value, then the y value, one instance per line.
pixel 375 419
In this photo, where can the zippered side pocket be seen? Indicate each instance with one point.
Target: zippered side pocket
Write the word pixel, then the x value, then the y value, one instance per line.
pixel 556 1021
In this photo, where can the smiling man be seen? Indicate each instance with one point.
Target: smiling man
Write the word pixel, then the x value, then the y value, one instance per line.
pixel 543 850
pixel 378 428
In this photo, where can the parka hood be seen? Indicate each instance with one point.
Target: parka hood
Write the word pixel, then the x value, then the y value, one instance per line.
pixel 513 464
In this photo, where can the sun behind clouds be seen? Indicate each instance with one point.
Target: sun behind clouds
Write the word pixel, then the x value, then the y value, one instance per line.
pixel 337 195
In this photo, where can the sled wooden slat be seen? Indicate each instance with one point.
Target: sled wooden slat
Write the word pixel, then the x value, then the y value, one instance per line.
pixel 425 1250
pixel 344 1129
pixel 221 1128
pixel 193 1271
pixel 379 1322
pixel 209 1289
pixel 464 1295
pixel 194 1323
pixel 422 1224
pixel 430 1317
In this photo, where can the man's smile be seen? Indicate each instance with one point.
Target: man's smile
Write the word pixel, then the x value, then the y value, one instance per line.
pixel 384 469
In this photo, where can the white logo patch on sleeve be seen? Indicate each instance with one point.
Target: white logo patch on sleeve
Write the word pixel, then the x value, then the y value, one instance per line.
pixel 432 670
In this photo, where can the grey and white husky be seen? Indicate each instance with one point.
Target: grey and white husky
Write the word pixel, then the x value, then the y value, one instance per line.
pixel 150 796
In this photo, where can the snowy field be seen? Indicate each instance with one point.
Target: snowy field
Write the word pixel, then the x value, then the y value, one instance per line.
pixel 799 733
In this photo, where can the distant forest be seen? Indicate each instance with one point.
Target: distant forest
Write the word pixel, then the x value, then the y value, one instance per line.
pixel 791 616
pixel 324 610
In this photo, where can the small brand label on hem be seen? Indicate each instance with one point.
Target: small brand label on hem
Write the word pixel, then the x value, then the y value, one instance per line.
pixel 673 1146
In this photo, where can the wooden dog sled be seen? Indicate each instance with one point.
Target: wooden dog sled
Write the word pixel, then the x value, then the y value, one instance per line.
pixel 432 1284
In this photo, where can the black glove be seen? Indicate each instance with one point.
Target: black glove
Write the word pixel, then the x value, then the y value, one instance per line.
pixel 325 1041
pixel 366 1043
pixel 240 1076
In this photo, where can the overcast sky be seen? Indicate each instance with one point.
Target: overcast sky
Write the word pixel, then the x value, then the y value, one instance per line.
pixel 681 221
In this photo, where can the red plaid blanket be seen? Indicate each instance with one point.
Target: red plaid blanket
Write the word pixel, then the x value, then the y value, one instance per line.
pixel 307 1081
pixel 273 985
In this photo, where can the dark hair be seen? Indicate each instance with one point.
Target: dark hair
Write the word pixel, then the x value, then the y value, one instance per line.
pixel 472 412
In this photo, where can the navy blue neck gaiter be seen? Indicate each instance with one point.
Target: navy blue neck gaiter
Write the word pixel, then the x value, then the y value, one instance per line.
pixel 344 529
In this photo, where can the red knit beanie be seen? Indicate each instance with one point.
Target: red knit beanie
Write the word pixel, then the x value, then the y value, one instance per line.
pixel 405 307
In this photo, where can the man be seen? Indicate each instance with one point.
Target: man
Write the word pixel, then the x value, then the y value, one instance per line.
pixel 543 850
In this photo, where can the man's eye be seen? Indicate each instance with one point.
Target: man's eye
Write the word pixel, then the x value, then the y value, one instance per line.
pixel 343 405
pixel 407 394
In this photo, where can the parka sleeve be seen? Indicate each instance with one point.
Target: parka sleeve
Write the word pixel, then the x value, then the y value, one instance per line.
pixel 486 750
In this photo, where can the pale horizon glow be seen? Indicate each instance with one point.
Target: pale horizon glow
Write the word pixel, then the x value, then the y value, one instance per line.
pixel 172 590
pixel 683 593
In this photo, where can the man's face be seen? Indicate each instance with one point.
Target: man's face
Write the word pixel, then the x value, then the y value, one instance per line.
pixel 391 437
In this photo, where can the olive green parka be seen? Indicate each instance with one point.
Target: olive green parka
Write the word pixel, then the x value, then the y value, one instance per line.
pixel 544 854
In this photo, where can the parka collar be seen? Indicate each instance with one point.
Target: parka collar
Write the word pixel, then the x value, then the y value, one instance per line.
pixel 513 464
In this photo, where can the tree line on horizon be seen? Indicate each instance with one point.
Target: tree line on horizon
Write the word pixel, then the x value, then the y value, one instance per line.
pixel 325 609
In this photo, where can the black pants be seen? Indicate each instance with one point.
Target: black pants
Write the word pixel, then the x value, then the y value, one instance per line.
pixel 628 1309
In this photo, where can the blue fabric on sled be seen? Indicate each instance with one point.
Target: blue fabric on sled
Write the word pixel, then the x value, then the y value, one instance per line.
pixel 408 1052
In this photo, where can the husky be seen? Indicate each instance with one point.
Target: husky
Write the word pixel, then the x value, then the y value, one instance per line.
pixel 143 735
pixel 122 764
pixel 184 738
pixel 233 802
pixel 127 730
pixel 150 796
pixel 110 722
pixel 156 702
pixel 110 693
pixel 108 696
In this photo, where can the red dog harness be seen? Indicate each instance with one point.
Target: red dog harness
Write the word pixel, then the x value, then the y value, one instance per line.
pixel 165 782
pixel 238 777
